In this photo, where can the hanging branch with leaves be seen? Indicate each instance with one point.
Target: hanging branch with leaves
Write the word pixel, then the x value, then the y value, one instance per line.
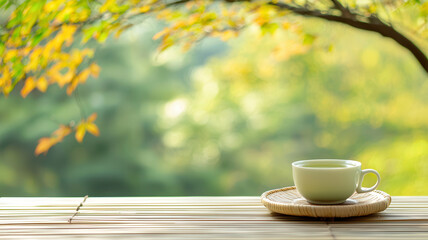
pixel 44 42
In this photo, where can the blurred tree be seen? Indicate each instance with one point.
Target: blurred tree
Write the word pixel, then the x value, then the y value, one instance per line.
pixel 225 118
pixel 40 40
pixel 316 104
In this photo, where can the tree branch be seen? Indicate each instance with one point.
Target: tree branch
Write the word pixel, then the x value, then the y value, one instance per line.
pixel 373 24
pixel 340 7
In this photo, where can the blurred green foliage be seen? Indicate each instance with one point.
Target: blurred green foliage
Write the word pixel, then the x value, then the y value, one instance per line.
pixel 224 119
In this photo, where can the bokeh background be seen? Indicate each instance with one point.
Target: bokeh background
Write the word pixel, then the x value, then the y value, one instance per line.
pixel 224 118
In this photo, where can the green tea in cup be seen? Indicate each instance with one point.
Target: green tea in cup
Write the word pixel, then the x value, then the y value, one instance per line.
pixel 330 181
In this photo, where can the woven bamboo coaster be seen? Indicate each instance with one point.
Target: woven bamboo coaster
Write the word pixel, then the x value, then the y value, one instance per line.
pixel 288 201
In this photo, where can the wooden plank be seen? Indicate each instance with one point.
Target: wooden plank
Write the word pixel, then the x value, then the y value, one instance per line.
pixel 406 218
pixel 198 218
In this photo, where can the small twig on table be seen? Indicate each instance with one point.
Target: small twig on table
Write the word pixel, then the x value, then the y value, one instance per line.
pixel 78 208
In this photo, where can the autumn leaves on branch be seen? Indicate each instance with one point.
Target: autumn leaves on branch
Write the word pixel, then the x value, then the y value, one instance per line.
pixel 84 126
pixel 44 42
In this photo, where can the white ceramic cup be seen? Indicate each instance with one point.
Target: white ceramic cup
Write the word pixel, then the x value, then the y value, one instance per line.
pixel 330 181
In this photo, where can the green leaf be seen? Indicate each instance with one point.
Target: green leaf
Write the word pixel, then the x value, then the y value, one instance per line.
pixel 88 33
pixel 37 38
pixel 18 68
pixel 269 28
pixel 2 3
pixel 2 48
pixel 308 39
pixel 16 34
pixel 103 36
pixel 14 21
pixel 122 9
pixel 5 4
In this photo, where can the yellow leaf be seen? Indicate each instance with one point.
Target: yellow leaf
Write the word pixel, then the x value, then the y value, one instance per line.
pixel 62 131
pixel 83 75
pixel 66 34
pixel 144 9
pixel 47 142
pixel 80 132
pixel 228 34
pixel 51 6
pixel 160 34
pixel 5 78
pixel 71 87
pixel 93 129
pixel 84 15
pixel 66 78
pixel 7 90
pixel 76 57
pixel 42 84
pixel 285 25
pixel 87 125
pixel 88 52
pixel 80 78
pixel 44 145
pixel 107 5
pixel 372 8
pixel 28 87
pixel 34 60
pixel 95 70
pixel 10 54
pixel 92 118
pixel 54 76
pixel 119 32
pixel 64 14
pixel 166 43
pixel 25 30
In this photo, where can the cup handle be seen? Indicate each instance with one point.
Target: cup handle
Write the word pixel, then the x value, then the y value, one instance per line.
pixel 360 188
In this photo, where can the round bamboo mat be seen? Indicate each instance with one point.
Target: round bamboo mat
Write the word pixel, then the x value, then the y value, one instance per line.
pixel 288 201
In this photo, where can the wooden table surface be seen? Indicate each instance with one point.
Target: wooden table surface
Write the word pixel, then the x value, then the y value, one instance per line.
pixel 197 218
